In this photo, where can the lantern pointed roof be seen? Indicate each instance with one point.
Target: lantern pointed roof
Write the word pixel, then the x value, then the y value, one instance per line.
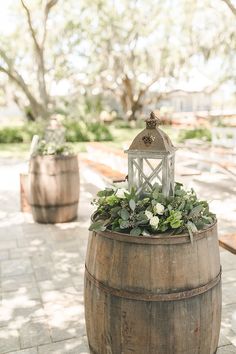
pixel 152 138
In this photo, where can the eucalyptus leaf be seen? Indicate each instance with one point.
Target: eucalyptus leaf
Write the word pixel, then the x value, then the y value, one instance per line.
pixel 136 231
pixel 124 224
pixel 115 210
pixel 106 192
pixel 146 233
pixel 155 193
pixel 132 204
pixel 196 211
pixel 97 226
pixel 191 229
pixel 124 214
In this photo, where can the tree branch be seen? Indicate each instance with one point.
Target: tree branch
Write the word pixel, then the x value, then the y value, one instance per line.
pixel 50 4
pixel 230 6
pixel 39 47
pixel 18 79
pixel 31 28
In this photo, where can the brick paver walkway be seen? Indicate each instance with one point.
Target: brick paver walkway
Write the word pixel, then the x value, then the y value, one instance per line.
pixel 41 284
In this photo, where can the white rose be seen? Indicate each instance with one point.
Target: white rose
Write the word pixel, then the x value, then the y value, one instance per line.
pixel 159 208
pixel 120 193
pixel 154 222
pixel 148 214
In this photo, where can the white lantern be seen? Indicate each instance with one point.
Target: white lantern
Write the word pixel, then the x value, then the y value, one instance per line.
pixel 151 158
pixel 55 132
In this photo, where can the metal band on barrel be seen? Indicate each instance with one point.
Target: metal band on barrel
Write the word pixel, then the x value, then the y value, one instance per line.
pixel 53 206
pixel 153 297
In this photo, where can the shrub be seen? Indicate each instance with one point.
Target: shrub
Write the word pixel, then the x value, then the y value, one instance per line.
pixel 33 128
pixel 80 131
pixel 76 131
pixel 11 135
pixel 198 133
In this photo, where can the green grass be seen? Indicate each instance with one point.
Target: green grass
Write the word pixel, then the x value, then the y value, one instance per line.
pixel 21 150
pixel 17 150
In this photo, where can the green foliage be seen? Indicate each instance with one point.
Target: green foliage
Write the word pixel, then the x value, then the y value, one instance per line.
pixel 199 133
pixel 44 148
pixel 20 134
pixel 11 135
pixel 151 212
pixel 78 131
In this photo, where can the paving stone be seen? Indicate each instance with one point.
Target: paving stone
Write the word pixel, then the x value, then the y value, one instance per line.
pixel 78 282
pixel 65 331
pixel 6 315
pixel 26 351
pixel 70 346
pixel 223 340
pixel 66 295
pixel 33 333
pixel 16 267
pixel 55 284
pixel 4 255
pixel 69 246
pixel 228 261
pixel 26 309
pixel 23 252
pixel 61 313
pixel 229 293
pixel 17 282
pixel 42 257
pixel 229 276
pixel 9 340
pixel 22 242
pixel 43 273
pixel 8 234
pixel 21 294
pixel 7 245
pixel 65 235
pixel 228 349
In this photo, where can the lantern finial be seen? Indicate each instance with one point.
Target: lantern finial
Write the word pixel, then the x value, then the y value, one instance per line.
pixel 152 121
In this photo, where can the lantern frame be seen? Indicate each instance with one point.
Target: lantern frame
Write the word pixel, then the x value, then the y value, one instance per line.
pixel 142 173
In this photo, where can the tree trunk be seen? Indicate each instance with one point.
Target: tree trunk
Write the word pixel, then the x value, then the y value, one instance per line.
pixel 136 110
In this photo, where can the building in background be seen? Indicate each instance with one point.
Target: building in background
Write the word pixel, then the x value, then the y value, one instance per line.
pixel 187 101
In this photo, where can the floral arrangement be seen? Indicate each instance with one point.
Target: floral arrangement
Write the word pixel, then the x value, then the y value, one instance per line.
pixel 44 148
pixel 150 213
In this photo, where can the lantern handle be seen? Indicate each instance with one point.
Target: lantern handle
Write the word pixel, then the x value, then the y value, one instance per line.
pixel 152 121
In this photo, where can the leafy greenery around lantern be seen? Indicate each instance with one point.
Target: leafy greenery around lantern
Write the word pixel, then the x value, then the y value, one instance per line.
pixel 150 213
pixel 44 148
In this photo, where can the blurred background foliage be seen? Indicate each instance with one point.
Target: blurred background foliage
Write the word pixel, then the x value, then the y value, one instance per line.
pixel 100 62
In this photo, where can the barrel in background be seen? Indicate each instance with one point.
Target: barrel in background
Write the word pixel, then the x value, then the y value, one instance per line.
pixel 54 188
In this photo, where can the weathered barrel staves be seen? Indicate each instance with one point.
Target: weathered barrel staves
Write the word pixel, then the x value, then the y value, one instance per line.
pixel 153 295
pixel 54 188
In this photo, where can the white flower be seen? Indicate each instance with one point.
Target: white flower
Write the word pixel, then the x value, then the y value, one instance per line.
pixel 148 214
pixel 154 222
pixel 120 193
pixel 121 185
pixel 159 208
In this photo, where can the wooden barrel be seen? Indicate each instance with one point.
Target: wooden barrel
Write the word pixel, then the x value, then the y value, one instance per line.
pixel 153 295
pixel 54 188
